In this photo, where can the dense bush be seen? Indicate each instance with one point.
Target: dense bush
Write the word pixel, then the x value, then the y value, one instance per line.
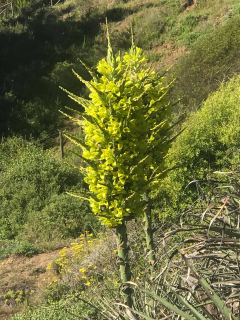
pixel 213 59
pixel 32 195
pixel 210 142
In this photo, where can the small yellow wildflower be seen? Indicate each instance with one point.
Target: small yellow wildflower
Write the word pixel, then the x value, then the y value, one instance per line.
pixel 137 278
pixel 82 270
pixel 95 267
pixel 84 277
pixel 88 283
pixel 49 266
pixel 89 266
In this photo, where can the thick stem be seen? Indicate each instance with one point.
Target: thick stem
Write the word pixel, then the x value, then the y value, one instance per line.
pixel 147 226
pixel 123 262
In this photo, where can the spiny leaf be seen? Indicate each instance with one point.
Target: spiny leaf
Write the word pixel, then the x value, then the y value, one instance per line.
pixel 91 87
pixel 161 124
pixel 94 76
pixel 78 196
pixel 166 304
pixel 77 141
pixel 221 306
pixel 83 102
pixel 81 169
pixel 70 117
pixel 89 118
pixel 197 315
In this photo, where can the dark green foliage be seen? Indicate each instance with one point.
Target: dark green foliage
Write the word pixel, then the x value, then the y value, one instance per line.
pixel 55 292
pixel 33 201
pixel 26 249
pixel 62 217
pixel 20 248
pixel 235 9
pixel 213 59
pixel 5 250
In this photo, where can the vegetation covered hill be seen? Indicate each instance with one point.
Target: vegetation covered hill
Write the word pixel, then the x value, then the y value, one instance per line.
pixel 41 43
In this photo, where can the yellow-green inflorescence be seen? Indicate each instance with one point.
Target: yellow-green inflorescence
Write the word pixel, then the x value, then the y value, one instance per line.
pixel 126 135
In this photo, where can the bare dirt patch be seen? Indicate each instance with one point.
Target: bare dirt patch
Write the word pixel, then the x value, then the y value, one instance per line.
pixel 23 274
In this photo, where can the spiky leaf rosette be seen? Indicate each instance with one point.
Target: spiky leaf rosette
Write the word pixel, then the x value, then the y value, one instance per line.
pixel 126 135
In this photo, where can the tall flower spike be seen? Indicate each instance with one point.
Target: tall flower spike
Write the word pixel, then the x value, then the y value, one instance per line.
pixel 110 58
pixel 132 36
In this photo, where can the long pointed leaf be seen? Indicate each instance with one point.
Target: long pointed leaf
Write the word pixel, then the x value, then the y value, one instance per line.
pixel 194 312
pixel 71 118
pixel 92 88
pixel 169 305
pixel 83 102
pixel 78 142
pixel 87 117
pixel 89 162
pixel 137 312
pixel 77 196
pixel 209 291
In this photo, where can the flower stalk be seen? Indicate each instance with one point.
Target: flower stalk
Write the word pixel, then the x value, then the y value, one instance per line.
pixel 124 266
pixel 147 227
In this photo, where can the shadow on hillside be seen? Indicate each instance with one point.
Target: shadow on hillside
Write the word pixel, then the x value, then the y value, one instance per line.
pixel 38 50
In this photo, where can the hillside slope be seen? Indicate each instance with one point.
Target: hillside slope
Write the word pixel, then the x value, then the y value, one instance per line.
pixel 41 44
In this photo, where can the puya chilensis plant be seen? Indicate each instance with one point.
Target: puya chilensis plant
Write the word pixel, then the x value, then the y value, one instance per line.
pixel 126 130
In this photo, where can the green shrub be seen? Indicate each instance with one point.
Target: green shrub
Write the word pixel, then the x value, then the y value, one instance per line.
pixel 210 142
pixel 26 249
pixel 20 248
pixel 235 9
pixel 33 202
pixel 6 250
pixel 61 217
